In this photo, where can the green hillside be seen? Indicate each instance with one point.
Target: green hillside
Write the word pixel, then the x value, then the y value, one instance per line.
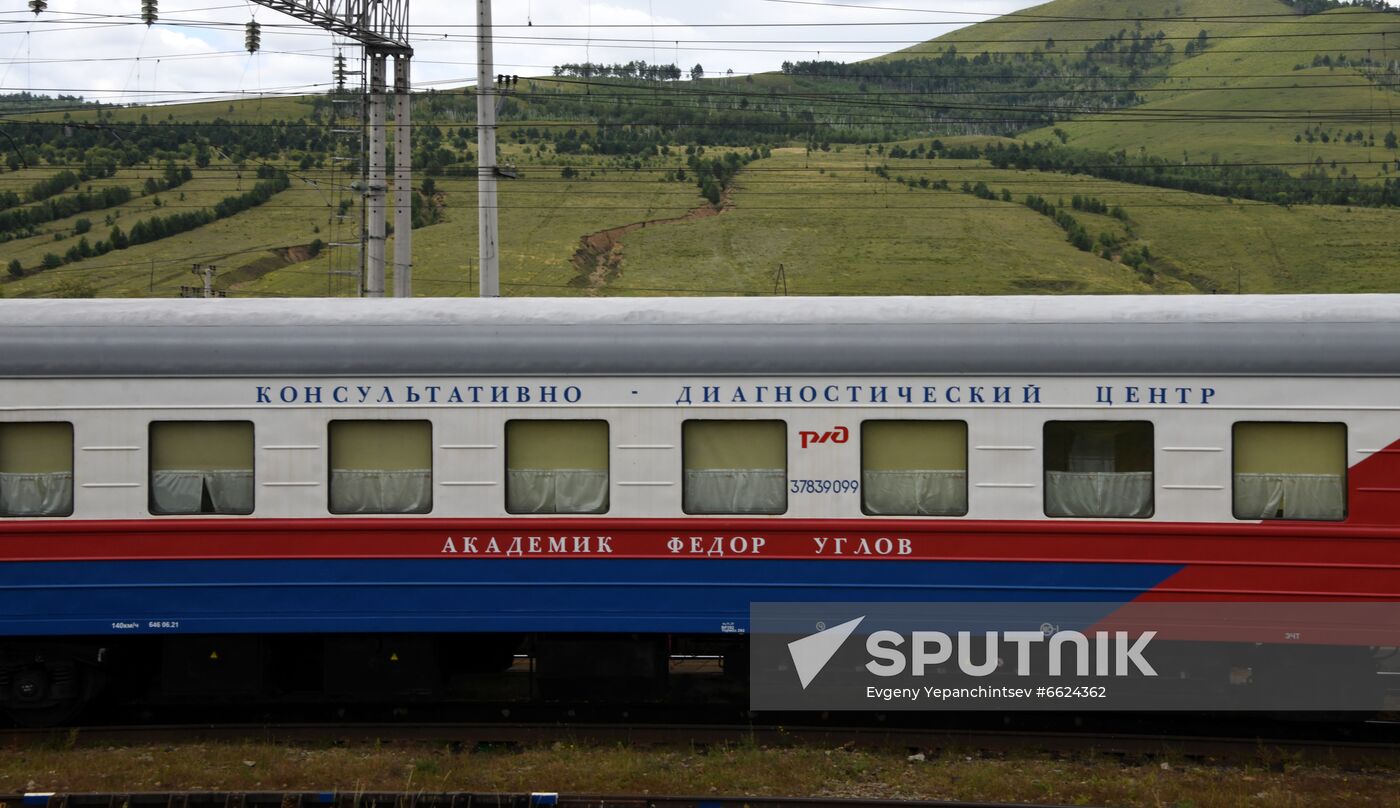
pixel 1074 25
pixel 1242 100
pixel 880 237
pixel 1081 146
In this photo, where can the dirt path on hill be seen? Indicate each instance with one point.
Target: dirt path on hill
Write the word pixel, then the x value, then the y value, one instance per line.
pixel 599 255
pixel 267 262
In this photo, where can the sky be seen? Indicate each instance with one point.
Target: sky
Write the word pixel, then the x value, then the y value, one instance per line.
pixel 99 48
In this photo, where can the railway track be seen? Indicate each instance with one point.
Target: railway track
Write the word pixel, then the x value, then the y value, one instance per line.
pixel 1371 742
pixel 305 799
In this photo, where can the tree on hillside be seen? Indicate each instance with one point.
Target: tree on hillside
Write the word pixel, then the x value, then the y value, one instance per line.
pixel 697 73
pixel 16 269
pixel 1390 140
pixel 711 191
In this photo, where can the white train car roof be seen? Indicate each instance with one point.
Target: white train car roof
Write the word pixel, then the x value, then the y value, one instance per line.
pixel 1321 335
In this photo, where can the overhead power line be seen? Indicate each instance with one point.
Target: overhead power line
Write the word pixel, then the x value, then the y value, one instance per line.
pixel 1026 17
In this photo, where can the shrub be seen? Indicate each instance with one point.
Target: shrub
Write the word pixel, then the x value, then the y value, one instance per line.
pixel 74 288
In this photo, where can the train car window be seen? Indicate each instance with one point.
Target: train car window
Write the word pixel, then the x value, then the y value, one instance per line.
pixel 36 469
pixel 1098 469
pixel 557 466
pixel 734 467
pixel 381 466
pixel 1290 471
pixel 914 468
pixel 201 467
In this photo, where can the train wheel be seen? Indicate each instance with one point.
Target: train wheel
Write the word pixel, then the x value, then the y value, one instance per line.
pixel 45 692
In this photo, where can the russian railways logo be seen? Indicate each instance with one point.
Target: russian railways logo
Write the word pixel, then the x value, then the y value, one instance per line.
pixel 838 435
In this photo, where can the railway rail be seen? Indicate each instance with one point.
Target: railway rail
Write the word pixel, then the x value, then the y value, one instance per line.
pixel 304 799
pixel 1372 742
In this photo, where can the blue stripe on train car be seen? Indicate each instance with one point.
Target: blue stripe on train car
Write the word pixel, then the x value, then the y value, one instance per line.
pixel 430 595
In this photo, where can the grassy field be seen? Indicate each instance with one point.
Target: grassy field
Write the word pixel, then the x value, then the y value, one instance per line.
pixel 838 229
pixel 160 267
pixel 833 225
pixel 542 218
pixel 1085 778
pixel 243 110
pixel 22 180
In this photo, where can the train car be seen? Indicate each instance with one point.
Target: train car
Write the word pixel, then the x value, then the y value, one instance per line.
pixel 236 492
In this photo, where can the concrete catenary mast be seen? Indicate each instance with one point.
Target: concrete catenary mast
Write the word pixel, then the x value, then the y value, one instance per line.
pixel 381 27
pixel 487 213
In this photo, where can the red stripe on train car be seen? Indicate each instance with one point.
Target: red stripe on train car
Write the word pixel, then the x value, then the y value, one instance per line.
pixel 1311 545
pixel 1245 561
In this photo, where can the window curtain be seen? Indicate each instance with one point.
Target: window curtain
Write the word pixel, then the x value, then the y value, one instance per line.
pixel 735 490
pixel 916 492
pixel 177 491
pixel 557 491
pixel 1098 493
pixel 381 491
pixel 1290 496
pixel 1092 450
pixel 36 493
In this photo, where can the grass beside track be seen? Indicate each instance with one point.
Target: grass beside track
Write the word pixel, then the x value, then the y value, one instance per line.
pixel 733 771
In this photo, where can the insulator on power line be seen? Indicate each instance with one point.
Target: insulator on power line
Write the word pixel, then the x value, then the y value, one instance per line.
pixel 252 38
pixel 37 6
pixel 148 11
pixel 340 70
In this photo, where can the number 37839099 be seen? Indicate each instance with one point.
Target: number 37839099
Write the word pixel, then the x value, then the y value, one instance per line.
pixel 825 486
